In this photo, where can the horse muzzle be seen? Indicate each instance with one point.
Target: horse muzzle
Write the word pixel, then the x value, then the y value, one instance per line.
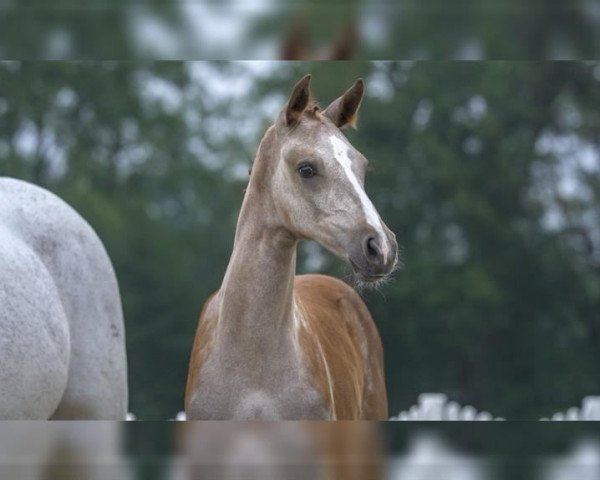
pixel 374 257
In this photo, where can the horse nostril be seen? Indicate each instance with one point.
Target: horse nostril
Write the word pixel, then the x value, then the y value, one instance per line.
pixel 372 249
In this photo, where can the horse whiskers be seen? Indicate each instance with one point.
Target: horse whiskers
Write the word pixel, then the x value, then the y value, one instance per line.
pixel 363 285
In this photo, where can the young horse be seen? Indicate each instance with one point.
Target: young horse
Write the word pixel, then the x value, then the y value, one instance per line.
pixel 62 340
pixel 270 345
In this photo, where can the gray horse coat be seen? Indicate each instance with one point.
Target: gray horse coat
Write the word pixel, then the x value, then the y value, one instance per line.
pixel 62 338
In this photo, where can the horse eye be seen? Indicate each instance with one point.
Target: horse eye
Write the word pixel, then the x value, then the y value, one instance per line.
pixel 306 170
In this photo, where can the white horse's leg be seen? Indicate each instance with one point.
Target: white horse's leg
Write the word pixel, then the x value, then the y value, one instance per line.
pixel 63 450
pixel 97 386
pixel 34 335
pixel 87 450
pixel 25 448
pixel 83 273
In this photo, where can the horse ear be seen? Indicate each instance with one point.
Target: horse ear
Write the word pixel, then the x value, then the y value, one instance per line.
pixel 298 101
pixel 342 111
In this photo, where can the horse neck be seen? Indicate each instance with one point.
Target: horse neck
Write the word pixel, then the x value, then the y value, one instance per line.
pixel 256 298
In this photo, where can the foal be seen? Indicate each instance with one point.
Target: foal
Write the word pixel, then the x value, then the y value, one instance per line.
pixel 271 345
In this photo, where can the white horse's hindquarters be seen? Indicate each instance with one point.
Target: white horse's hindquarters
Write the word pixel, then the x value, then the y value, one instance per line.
pixel 34 335
pixel 97 387
pixel 71 253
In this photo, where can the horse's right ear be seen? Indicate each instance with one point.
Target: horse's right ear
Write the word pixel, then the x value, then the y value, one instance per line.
pixel 298 101
pixel 342 111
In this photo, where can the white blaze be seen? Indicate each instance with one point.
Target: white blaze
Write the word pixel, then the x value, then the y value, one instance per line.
pixel 340 153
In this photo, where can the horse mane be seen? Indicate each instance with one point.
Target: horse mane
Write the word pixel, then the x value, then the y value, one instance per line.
pixel 312 108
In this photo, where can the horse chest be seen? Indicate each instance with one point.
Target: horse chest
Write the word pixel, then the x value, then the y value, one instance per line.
pixel 254 390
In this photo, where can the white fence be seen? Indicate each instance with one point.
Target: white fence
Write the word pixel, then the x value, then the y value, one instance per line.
pixel 590 410
pixel 435 406
pixel 430 456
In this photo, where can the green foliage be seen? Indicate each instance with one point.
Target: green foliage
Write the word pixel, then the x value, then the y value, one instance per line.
pixel 496 304
pixel 411 29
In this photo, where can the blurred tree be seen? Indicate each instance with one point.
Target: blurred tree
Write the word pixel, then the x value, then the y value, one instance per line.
pixel 488 173
pixel 410 29
pixel 484 275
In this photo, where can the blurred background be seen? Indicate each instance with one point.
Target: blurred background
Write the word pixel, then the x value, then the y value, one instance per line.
pixel 264 29
pixel 299 450
pixel 488 173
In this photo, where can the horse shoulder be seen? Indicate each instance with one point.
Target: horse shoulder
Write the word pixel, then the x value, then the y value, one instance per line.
pixel 202 343
pixel 339 338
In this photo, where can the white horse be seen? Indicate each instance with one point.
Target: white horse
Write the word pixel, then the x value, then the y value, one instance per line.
pixel 62 338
